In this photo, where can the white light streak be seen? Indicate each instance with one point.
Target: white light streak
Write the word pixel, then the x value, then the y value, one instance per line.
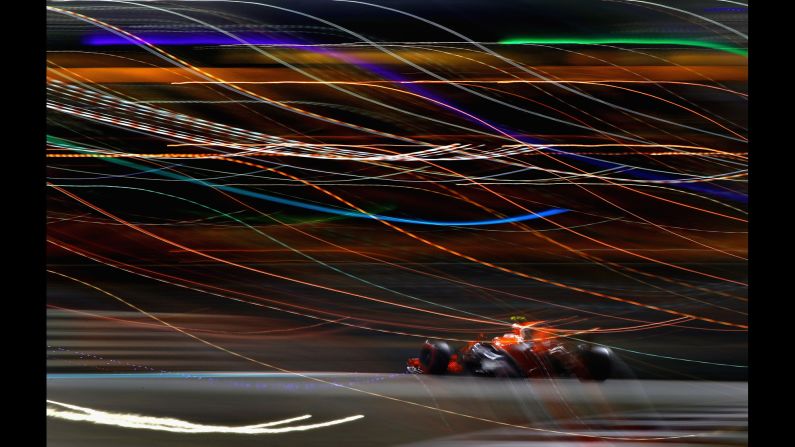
pixel 82 414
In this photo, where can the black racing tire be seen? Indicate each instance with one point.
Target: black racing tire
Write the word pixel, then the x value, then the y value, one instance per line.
pixel 596 363
pixel 435 356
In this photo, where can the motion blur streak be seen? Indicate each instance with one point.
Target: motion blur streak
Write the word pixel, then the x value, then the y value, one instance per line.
pixel 412 235
pixel 318 187
pixel 631 41
pixel 83 414
pixel 335 384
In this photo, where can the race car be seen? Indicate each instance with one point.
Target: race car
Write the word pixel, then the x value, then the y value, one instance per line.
pixel 527 351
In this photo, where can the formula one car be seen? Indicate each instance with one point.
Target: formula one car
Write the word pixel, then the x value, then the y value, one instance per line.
pixel 525 352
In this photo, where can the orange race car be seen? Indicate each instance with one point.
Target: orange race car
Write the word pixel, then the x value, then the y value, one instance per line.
pixel 524 352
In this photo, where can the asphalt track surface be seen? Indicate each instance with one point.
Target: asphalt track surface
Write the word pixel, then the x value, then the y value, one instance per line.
pixel 402 409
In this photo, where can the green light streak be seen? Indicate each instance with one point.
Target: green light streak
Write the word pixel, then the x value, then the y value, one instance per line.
pixel 625 41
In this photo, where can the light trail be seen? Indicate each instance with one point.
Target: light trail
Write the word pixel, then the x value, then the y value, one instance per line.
pixel 645 143
pixel 414 236
pixel 626 41
pixel 70 412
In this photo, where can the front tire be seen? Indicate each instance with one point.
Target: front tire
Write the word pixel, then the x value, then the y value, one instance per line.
pixel 435 356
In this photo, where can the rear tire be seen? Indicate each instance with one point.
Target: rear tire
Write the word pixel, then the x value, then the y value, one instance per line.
pixel 435 356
